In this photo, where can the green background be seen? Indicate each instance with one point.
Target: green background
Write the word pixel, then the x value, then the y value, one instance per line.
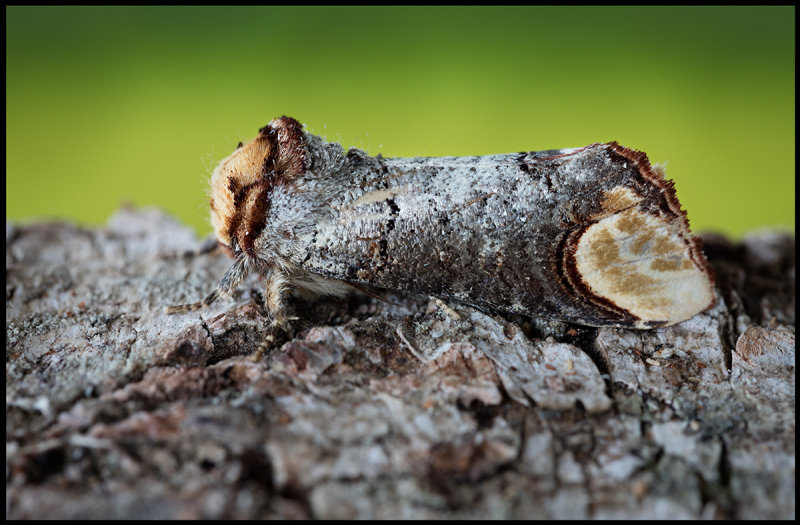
pixel 106 105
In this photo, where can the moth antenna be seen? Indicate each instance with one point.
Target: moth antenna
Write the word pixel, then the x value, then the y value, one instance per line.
pixel 230 282
pixel 183 308
pixel 366 291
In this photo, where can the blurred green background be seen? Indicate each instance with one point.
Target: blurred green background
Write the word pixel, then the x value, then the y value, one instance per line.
pixel 106 105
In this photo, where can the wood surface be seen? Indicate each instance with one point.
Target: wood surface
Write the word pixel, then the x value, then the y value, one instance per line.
pixel 411 408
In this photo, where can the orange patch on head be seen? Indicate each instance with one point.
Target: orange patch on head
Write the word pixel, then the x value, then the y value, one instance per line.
pixel 275 156
pixel 241 169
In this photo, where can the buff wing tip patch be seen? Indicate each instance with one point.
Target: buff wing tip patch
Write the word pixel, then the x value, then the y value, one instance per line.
pixel 639 256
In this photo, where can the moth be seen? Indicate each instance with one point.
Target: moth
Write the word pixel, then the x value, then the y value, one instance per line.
pixel 594 236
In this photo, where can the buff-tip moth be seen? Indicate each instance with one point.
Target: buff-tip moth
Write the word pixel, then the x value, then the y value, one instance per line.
pixel 593 235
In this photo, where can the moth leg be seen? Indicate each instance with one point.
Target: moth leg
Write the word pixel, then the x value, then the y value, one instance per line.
pixel 232 279
pixel 277 291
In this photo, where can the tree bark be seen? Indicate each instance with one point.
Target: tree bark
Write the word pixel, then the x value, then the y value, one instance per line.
pixel 411 408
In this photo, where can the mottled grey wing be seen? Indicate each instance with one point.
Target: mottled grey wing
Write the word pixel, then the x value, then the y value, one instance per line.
pixel 527 233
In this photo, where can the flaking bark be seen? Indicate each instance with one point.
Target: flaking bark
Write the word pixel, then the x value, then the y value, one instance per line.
pixel 408 409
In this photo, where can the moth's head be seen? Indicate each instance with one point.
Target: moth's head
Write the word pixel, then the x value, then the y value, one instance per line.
pixel 241 184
